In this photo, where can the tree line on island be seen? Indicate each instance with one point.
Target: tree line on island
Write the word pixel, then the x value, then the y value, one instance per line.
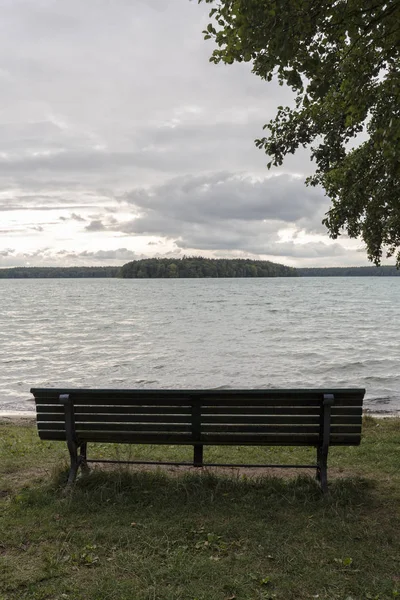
pixel 194 267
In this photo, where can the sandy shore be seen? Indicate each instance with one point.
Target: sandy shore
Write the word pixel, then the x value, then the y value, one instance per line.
pixel 17 417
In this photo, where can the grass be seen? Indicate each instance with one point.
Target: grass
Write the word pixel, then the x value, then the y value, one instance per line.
pixel 155 535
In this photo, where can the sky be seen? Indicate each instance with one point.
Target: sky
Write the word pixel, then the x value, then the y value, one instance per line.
pixel 119 140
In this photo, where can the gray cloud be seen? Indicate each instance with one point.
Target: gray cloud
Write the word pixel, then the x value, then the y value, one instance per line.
pixel 12 199
pixel 121 254
pixel 100 223
pixel 224 211
pixel 261 240
pixel 186 147
pixel 222 196
pixel 73 217
pixel 76 217
pixel 95 225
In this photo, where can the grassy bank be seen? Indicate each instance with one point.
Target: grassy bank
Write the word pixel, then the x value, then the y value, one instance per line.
pixel 142 535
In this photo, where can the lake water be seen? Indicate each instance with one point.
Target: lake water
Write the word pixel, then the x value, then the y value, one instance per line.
pixel 200 333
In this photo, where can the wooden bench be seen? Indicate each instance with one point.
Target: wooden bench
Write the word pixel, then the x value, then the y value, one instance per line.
pixel 271 417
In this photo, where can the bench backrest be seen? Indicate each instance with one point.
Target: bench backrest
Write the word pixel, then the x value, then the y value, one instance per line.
pixel 231 417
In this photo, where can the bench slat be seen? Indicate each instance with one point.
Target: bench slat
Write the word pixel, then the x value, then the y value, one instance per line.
pixel 250 429
pixel 206 419
pixel 115 437
pixel 173 418
pixel 115 418
pixel 279 440
pixel 116 408
pixel 134 409
pixel 274 419
pixel 116 427
pixel 278 419
pixel 216 403
pixel 217 410
pixel 172 428
pixel 52 435
pixel 281 410
pixel 223 402
pixel 211 397
pixel 184 393
pixel 53 408
pixel 217 440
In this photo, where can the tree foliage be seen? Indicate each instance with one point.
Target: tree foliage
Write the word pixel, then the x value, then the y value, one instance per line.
pixel 197 266
pixel 341 58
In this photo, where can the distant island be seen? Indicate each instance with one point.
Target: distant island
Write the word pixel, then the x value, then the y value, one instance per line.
pixel 194 267
pixel 160 268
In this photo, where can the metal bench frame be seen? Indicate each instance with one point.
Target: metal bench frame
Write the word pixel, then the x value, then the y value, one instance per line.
pixel 78 448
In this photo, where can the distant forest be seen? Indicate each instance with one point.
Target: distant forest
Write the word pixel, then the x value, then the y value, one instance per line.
pixel 194 267
pixel 371 271
pixel 57 272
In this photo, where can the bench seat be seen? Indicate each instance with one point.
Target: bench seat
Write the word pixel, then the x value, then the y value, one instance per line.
pixel 270 417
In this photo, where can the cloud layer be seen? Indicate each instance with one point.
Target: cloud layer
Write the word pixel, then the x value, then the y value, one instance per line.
pixel 119 139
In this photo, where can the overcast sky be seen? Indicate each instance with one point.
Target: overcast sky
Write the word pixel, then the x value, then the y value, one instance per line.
pixel 120 140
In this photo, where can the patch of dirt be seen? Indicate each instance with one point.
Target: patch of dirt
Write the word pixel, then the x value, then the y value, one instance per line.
pixel 251 472
pixel 17 419
pixel 24 478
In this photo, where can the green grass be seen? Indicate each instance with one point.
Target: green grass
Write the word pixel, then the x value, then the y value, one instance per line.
pixel 155 535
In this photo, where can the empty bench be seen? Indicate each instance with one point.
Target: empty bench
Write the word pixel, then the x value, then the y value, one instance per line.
pixel 275 417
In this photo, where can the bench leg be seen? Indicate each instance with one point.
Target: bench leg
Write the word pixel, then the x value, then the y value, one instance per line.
pixel 198 455
pixel 322 469
pixel 318 474
pixel 83 459
pixel 73 453
pixel 77 461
